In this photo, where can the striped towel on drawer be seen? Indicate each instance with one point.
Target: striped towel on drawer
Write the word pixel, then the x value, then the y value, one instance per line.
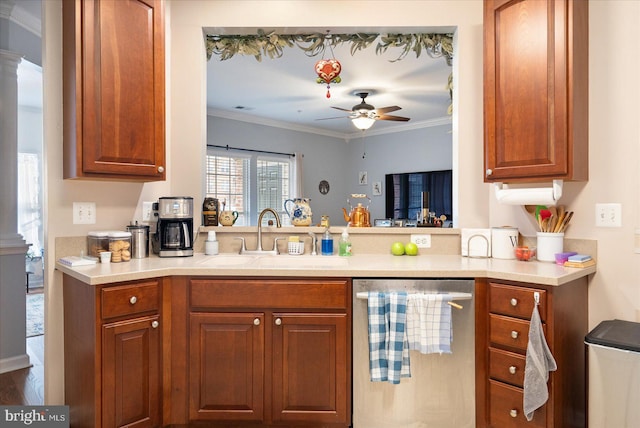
pixel 429 327
pixel 388 345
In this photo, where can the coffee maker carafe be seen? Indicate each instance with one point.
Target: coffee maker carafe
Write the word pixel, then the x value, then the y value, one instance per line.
pixel 174 233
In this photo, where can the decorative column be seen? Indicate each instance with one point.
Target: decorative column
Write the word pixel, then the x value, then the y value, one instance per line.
pixel 13 348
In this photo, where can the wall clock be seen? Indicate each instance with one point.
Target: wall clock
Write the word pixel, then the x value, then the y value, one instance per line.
pixel 323 187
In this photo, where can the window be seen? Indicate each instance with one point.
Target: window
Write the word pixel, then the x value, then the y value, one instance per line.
pixel 250 183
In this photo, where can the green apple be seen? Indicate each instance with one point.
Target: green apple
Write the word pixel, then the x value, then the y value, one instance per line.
pixel 411 249
pixel 397 248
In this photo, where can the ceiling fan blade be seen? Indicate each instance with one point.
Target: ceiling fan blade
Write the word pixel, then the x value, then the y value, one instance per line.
pixel 394 118
pixel 342 109
pixel 337 117
pixel 389 109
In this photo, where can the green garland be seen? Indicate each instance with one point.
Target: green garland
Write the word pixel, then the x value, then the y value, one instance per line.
pixel 272 44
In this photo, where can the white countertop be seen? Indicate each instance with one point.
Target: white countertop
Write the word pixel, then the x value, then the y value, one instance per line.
pixel 356 266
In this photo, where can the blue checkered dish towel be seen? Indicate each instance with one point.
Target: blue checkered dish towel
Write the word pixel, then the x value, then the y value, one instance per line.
pixel 388 344
pixel 429 327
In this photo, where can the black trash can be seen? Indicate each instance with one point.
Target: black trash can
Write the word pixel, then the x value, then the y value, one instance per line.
pixel 614 374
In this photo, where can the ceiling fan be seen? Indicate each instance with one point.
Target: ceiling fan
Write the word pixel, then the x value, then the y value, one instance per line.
pixel 363 115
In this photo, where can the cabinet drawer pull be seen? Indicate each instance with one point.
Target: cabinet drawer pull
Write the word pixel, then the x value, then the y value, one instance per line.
pixel 155 324
pixel 514 334
pixel 133 300
pixel 256 321
pixel 160 169
pixel 513 413
pixel 489 171
pixel 514 302
pixel 512 369
pixel 278 321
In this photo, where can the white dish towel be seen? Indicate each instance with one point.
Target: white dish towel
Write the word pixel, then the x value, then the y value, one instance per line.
pixel 429 323
pixel 539 362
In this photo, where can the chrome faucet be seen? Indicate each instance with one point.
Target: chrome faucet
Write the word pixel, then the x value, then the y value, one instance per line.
pixel 278 224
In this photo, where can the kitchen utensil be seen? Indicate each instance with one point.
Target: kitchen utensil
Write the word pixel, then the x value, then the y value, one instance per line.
pixel 359 215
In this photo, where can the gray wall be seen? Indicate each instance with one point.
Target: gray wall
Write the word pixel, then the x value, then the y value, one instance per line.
pixel 339 162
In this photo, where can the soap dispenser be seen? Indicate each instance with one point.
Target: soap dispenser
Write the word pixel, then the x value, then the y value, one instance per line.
pixel 344 246
pixel 211 244
pixel 327 243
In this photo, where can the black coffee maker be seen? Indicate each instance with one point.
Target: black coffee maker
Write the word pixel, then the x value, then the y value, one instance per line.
pixel 174 233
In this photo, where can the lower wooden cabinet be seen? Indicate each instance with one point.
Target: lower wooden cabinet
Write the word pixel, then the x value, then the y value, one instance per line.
pixel 131 373
pixel 271 352
pixel 503 313
pixel 113 373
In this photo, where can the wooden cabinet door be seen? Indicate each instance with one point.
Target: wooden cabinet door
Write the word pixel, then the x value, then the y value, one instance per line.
pixel 114 88
pixel 131 386
pixel 535 90
pixel 311 359
pixel 226 366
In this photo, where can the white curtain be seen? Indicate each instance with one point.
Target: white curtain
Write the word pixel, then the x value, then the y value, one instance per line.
pixel 29 213
pixel 299 176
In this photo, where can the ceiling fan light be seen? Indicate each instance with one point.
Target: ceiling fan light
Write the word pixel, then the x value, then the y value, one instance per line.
pixel 362 122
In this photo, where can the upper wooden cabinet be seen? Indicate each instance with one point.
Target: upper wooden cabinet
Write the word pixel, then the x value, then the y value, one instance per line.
pixel 535 90
pixel 114 89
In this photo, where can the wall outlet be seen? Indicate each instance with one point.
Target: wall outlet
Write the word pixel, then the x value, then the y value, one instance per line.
pixel 147 208
pixel 422 241
pixel 608 215
pixel 84 213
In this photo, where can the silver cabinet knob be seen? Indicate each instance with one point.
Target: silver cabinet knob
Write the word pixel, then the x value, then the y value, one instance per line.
pixel 514 302
pixel 513 413
pixel 489 171
pixel 256 321
pixel 514 334
pixel 160 169
pixel 278 321
pixel 133 300
pixel 155 324
pixel 512 369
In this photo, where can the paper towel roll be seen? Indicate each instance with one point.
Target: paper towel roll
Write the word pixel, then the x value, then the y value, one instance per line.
pixel 529 196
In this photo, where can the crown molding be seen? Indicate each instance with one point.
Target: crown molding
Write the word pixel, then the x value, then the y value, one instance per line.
pixel 244 117
pixel 13 11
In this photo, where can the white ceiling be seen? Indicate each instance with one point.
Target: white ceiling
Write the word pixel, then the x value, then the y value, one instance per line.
pixel 283 91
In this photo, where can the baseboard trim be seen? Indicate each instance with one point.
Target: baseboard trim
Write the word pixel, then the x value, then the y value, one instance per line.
pixel 14 363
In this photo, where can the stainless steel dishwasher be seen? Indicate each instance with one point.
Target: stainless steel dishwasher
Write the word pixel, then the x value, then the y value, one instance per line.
pixel 441 390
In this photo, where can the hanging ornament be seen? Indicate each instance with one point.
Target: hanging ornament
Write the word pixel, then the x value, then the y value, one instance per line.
pixel 328 70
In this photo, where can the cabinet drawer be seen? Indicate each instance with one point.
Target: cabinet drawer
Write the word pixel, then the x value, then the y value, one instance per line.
pixel 515 301
pixel 505 408
pixel 130 299
pixel 256 293
pixel 510 332
pixel 506 366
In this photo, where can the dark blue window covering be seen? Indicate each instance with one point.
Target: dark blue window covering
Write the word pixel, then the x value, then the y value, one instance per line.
pixel 404 193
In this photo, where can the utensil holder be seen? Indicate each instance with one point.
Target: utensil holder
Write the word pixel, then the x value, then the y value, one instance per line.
pixel 296 248
pixel 549 244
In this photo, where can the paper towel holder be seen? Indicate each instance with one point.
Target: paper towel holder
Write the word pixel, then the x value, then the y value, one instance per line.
pixel 529 196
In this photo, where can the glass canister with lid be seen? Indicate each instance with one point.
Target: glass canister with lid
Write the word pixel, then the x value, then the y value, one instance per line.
pixel 120 246
pixel 97 242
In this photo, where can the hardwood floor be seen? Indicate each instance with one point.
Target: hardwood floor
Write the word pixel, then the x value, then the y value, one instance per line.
pixel 25 387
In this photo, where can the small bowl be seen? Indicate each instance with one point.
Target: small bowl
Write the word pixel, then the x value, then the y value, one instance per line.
pixel 525 253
